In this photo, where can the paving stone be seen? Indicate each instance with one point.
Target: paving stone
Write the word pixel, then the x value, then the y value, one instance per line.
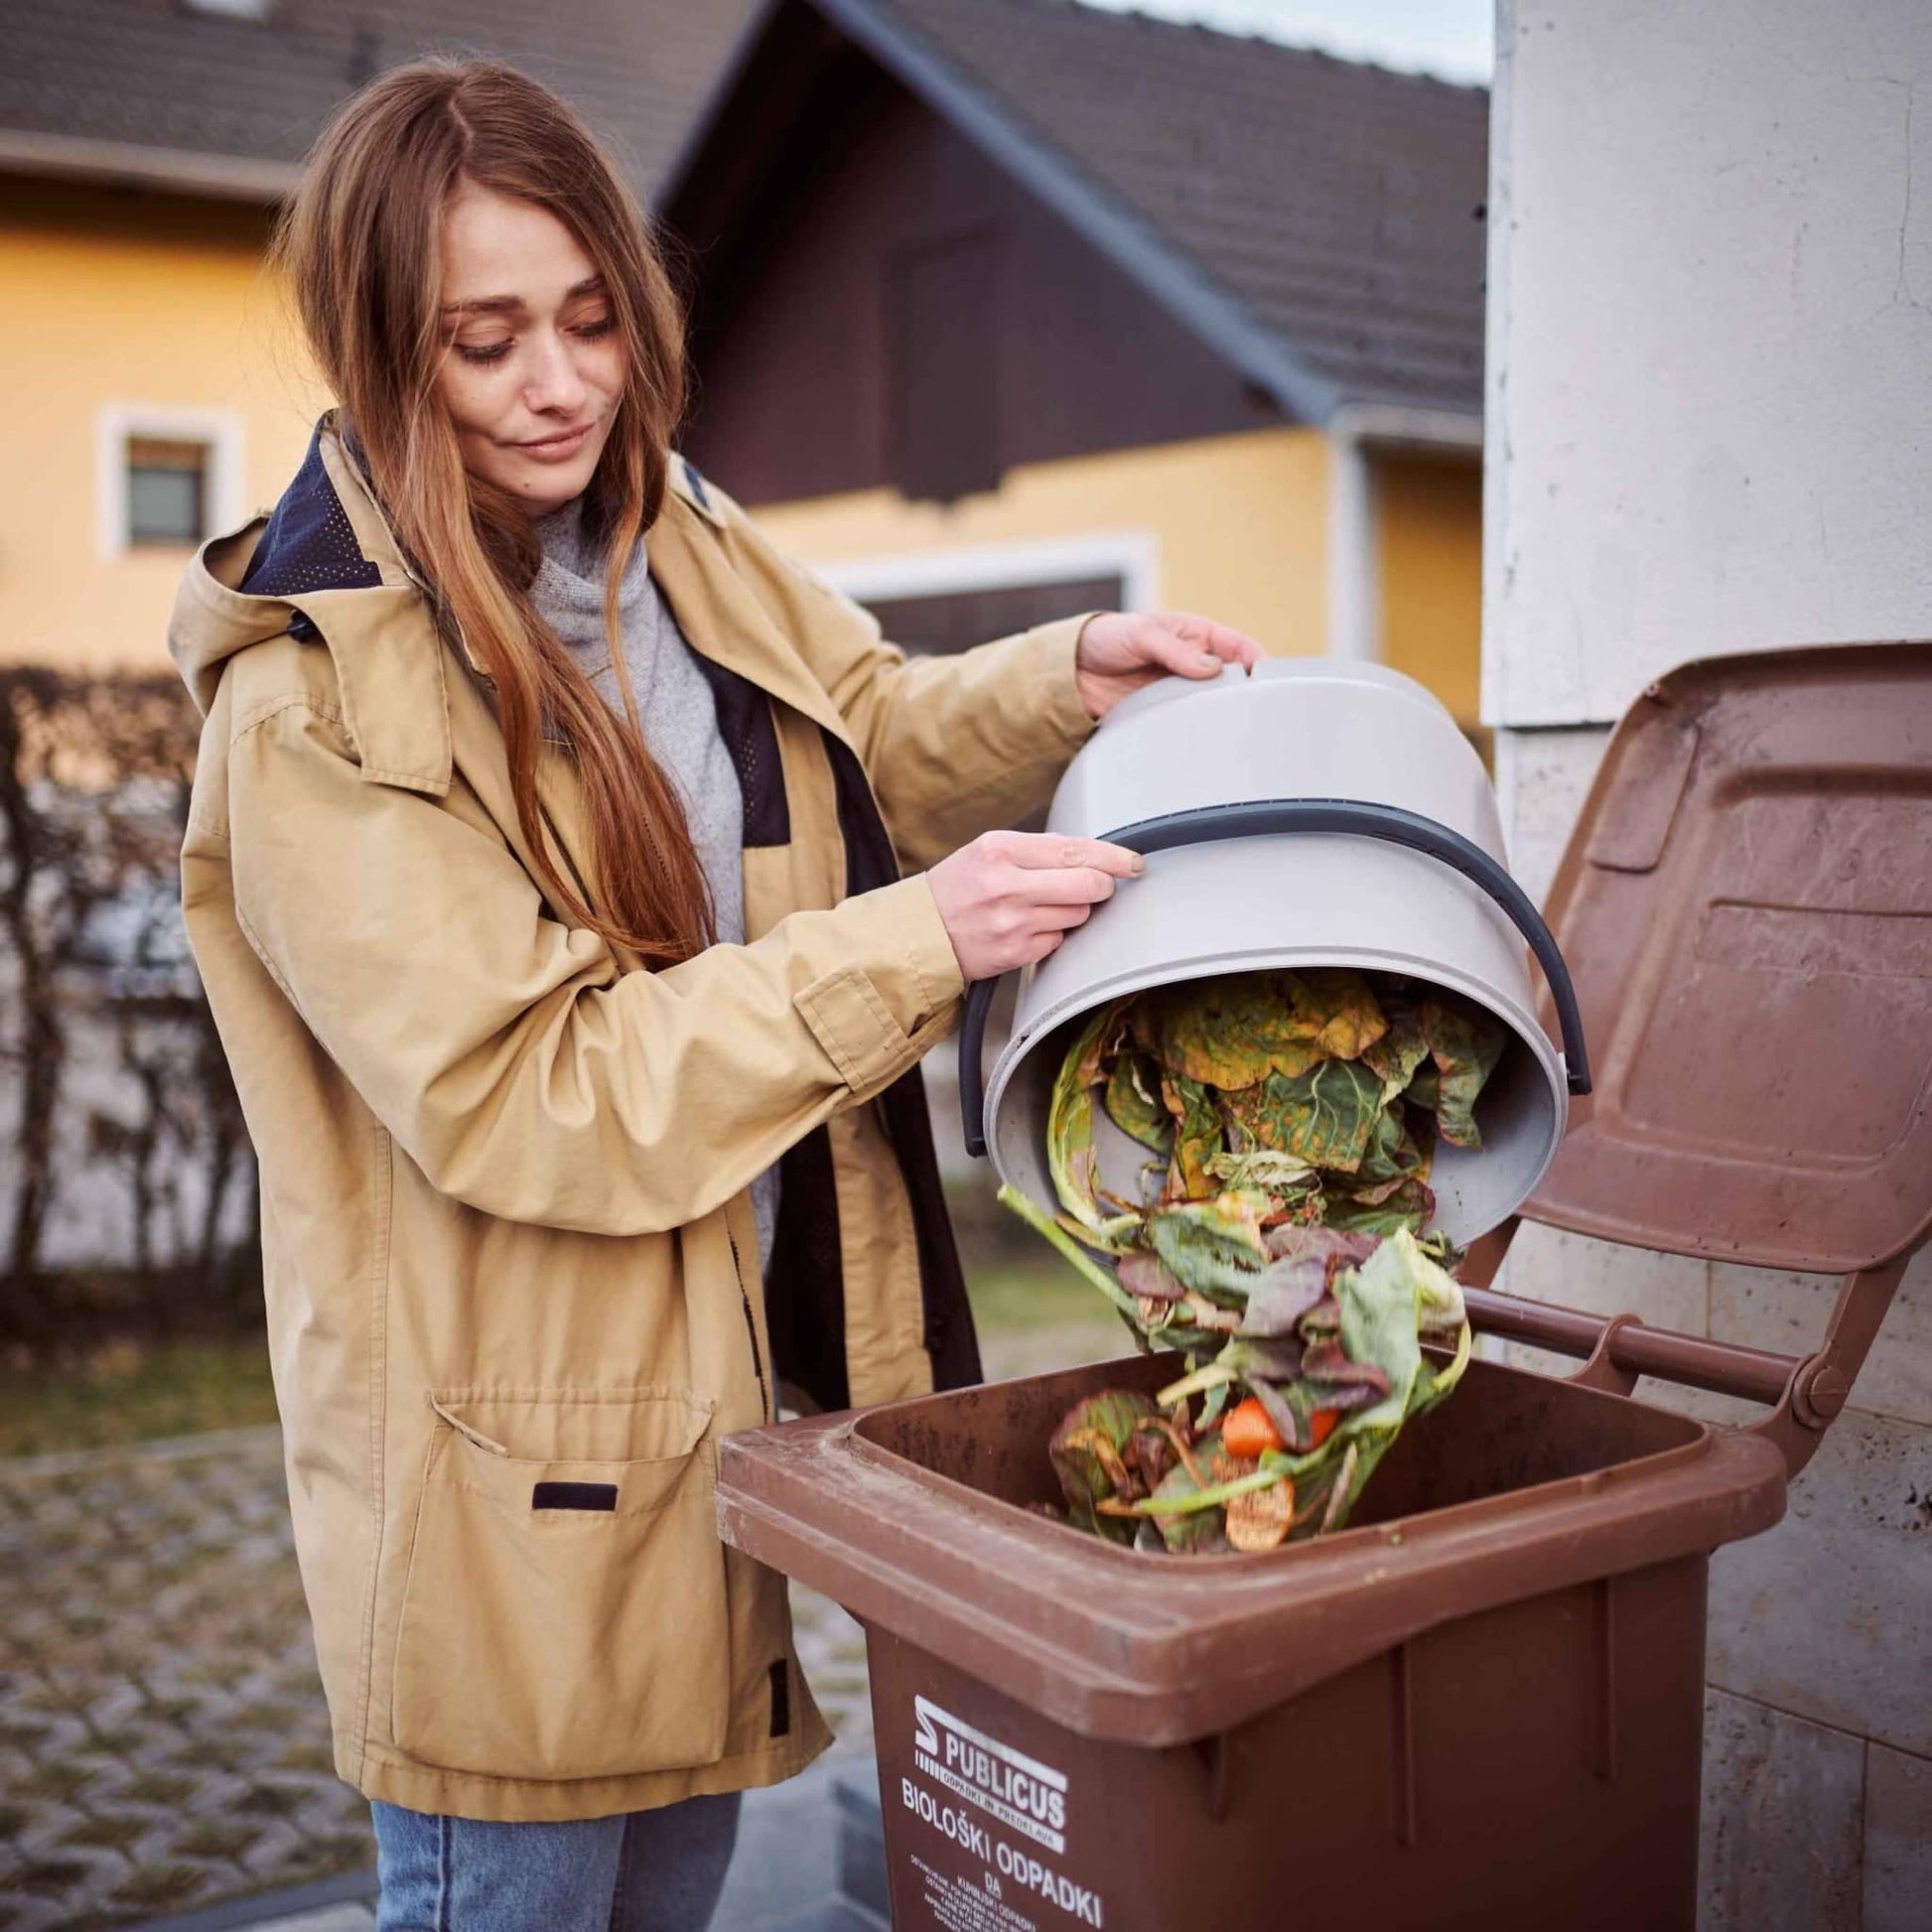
pixel 1897 1841
pixel 1782 1822
pixel 786 1861
pixel 832 1651
pixel 1828 1615
pixel 155 1676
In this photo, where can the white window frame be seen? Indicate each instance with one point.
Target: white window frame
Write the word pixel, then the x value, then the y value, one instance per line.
pixel 117 424
pixel 1134 556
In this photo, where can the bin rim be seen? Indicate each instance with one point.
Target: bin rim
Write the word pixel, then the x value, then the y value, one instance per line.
pixel 1144 1659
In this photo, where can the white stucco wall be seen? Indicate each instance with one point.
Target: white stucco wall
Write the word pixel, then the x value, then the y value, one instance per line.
pixel 1710 429
pixel 1711 338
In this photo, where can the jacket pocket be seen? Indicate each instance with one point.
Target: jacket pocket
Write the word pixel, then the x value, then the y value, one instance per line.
pixel 564 1612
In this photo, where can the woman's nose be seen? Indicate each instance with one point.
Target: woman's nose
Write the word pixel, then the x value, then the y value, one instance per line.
pixel 553 383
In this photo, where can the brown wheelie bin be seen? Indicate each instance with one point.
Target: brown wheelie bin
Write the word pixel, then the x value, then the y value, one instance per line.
pixel 1480 1705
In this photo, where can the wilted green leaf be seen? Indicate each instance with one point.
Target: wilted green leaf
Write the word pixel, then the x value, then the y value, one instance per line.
pixel 1134 1102
pixel 1264 1170
pixel 1351 1017
pixel 1198 1137
pixel 1395 1058
pixel 1187 1528
pixel 1087 1451
pixel 1069 1122
pixel 1323 1117
pixel 1465 1042
pixel 1409 1206
pixel 1214 1246
pixel 1398 1149
pixel 1381 1304
pixel 1432 1383
pixel 1232 1031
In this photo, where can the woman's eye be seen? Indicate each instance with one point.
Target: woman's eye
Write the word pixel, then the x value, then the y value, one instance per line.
pixel 482 352
pixel 590 331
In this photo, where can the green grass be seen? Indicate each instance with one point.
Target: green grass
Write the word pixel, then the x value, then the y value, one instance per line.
pixel 130 1392
pixel 1010 1296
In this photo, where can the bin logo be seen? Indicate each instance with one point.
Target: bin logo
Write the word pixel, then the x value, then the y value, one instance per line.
pixel 1020 1791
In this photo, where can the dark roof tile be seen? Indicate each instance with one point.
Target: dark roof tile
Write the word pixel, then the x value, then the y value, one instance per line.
pixel 1336 203
pixel 159 74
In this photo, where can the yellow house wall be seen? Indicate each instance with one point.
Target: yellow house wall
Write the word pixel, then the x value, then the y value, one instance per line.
pixel 1429 521
pixel 1239 522
pixel 146 302
pixel 1241 528
pixel 142 304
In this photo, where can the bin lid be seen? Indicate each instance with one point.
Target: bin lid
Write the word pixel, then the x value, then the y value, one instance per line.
pixel 1746 906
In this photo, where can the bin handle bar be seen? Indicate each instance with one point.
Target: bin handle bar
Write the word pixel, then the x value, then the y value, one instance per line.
pixel 1724 1368
pixel 1270 818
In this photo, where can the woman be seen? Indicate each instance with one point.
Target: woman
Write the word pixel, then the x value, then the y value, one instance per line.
pixel 575 999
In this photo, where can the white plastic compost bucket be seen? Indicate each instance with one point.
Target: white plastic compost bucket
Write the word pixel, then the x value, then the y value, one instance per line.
pixel 1313 813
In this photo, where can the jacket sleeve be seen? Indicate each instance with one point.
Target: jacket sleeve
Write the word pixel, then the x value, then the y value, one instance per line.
pixel 953 744
pixel 507 1053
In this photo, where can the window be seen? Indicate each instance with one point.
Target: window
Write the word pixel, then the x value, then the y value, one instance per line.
pixel 950 620
pixel 168 479
pixel 167 489
pixel 951 600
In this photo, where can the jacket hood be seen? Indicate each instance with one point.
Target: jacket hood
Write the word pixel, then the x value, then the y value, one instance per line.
pixel 324 536
pixel 291 573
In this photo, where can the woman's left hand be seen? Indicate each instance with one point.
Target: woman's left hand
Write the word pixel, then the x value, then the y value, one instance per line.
pixel 1120 650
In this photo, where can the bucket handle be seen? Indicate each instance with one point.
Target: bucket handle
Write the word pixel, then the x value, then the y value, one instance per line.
pixel 1268 818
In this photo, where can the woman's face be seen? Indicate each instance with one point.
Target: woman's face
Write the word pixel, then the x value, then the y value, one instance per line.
pixel 532 362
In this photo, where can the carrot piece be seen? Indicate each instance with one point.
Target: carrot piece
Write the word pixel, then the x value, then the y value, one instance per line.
pixel 1322 1425
pixel 1247 1431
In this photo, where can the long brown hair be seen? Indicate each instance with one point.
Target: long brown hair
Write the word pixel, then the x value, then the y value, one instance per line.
pixel 360 244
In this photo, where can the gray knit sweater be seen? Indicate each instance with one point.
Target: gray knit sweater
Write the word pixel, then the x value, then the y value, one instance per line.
pixel 680 721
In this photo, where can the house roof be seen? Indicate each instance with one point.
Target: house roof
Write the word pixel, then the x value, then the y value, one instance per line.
pixel 166 93
pixel 1316 221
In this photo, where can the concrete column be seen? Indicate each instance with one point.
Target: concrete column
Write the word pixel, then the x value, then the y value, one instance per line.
pixel 1709 327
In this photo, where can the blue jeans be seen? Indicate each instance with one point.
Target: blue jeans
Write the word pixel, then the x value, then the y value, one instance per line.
pixel 645 1872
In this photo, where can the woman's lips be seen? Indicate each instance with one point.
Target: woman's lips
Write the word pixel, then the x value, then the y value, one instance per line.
pixel 558 449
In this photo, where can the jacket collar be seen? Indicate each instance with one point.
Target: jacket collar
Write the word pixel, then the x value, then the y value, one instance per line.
pixel 386 636
pixel 716 610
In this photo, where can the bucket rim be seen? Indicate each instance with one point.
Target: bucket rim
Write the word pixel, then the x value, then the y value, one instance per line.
pixel 1521 1022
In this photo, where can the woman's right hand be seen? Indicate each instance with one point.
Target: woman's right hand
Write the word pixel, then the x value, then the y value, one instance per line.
pixel 1010 897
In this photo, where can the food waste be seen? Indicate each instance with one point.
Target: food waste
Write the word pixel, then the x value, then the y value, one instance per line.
pixel 1284 1125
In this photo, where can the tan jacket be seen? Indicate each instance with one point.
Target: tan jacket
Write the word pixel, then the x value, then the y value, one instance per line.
pixel 511 1257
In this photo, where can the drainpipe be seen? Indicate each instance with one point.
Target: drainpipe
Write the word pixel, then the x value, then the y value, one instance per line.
pixel 1355 431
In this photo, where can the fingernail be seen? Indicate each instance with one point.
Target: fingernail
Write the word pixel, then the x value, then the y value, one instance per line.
pixel 1139 866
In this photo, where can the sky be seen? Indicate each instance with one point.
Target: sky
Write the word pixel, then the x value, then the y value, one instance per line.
pixel 1454 39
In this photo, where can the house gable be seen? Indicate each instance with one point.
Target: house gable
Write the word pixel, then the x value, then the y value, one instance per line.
pixel 887 305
